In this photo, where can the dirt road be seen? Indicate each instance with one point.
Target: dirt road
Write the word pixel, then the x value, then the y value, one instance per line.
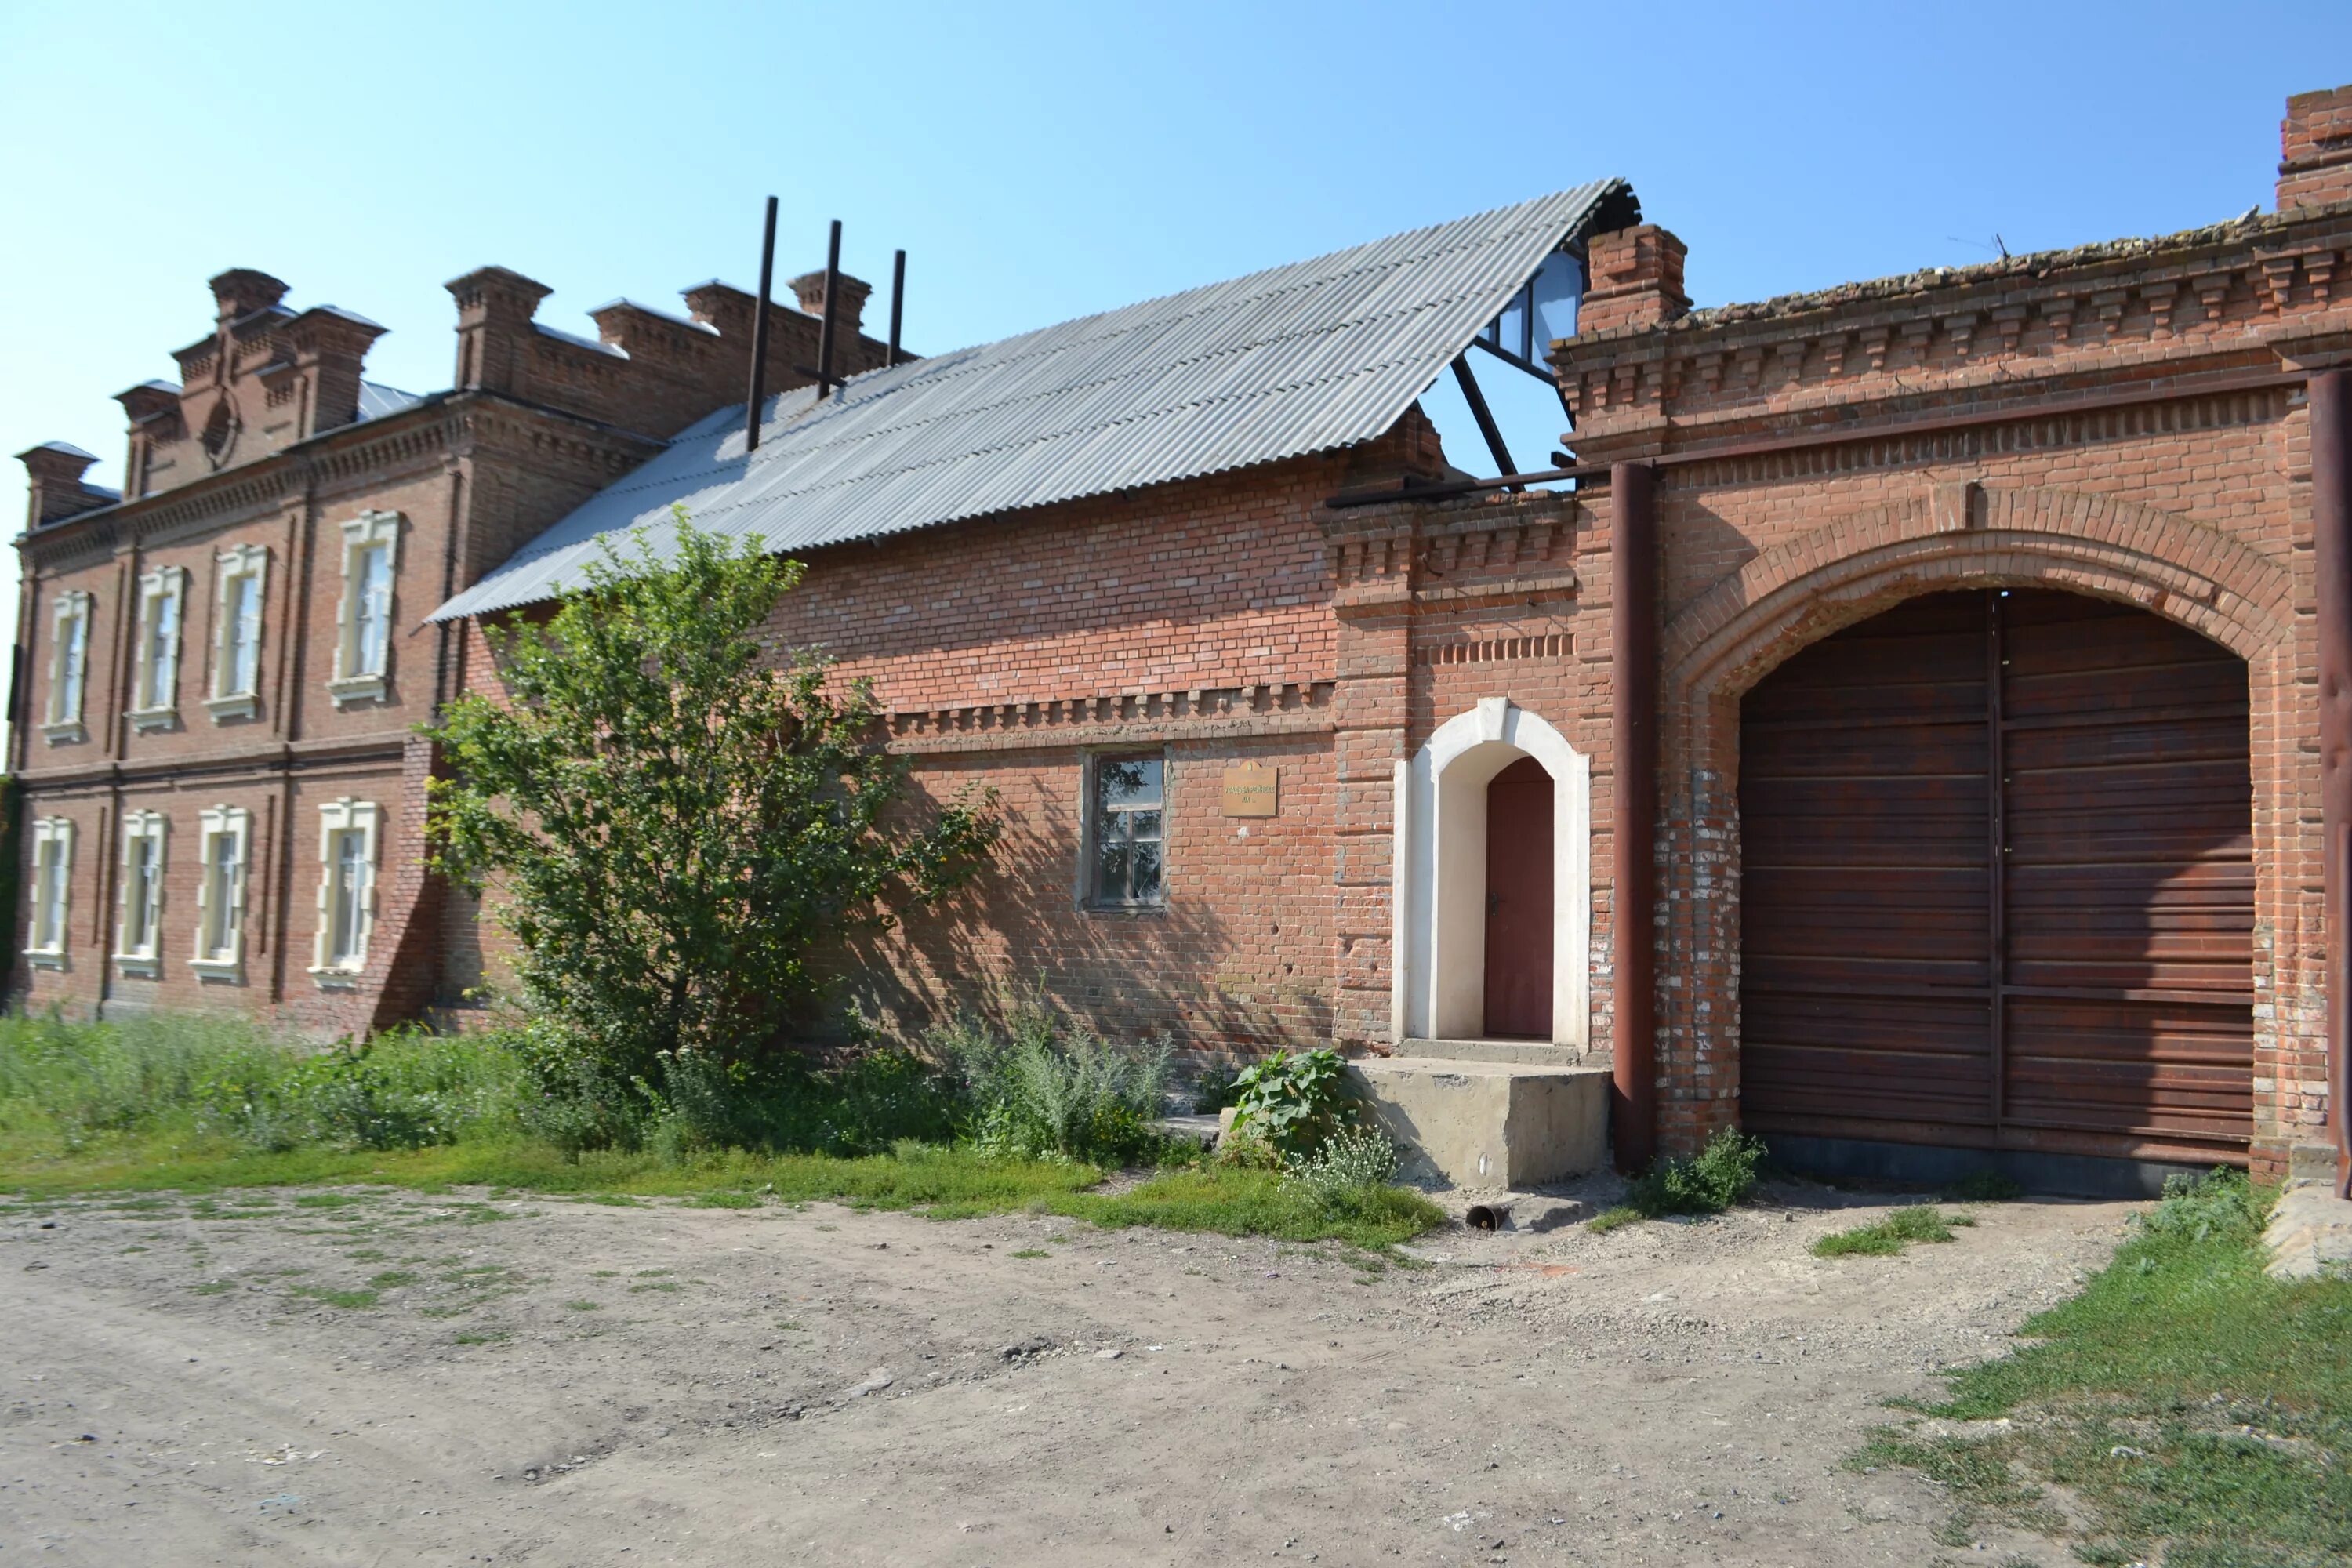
pixel 390 1378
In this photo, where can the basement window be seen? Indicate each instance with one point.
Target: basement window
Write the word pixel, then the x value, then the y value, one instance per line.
pixel 1126 822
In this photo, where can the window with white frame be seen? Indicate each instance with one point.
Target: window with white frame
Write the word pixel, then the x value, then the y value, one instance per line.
pixel 53 842
pixel 138 938
pixel 364 619
pixel 244 573
pixel 224 834
pixel 347 829
pixel 68 667
pixel 155 672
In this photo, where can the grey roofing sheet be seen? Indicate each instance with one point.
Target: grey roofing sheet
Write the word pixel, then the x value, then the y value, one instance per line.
pixel 1304 358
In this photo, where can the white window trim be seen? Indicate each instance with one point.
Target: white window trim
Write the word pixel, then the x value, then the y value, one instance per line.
pixel 166 582
pixel 236 565
pixel 365 531
pixel 139 827
pixel 214 822
pixel 46 830
pixel 72 606
pixel 336 817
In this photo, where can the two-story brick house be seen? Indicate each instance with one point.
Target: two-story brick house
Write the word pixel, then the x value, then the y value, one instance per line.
pixel 221 669
pixel 1919 734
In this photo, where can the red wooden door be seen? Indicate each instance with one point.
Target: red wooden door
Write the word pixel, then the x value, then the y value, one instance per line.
pixel 1997 883
pixel 1518 901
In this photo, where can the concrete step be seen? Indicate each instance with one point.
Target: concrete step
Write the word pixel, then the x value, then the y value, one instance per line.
pixel 1474 1123
pixel 1534 1053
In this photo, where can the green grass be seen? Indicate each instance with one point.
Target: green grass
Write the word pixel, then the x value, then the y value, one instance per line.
pixel 1032 1252
pixel 2194 1408
pixel 1611 1219
pixel 349 1299
pixel 947 1183
pixel 1917 1222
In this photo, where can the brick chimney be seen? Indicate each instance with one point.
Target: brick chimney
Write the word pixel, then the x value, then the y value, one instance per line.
pixel 2315 149
pixel 242 290
pixel 1636 280
pixel 330 346
pixel 494 312
pixel 848 314
pixel 57 490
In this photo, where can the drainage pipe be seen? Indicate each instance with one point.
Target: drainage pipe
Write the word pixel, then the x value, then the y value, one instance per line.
pixel 1633 668
pixel 2331 528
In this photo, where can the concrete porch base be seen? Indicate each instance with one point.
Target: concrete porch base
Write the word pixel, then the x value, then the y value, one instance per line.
pixel 1485 1123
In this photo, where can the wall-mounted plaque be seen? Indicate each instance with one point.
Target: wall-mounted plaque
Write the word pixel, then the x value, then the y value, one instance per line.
pixel 1251 789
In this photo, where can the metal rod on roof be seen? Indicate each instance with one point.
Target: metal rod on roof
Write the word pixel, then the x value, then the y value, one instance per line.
pixel 760 335
pixel 1484 416
pixel 898 298
pixel 824 330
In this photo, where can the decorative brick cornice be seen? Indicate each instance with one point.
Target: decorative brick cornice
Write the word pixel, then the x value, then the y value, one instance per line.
pixel 1128 718
pixel 2244 292
pixel 1455 555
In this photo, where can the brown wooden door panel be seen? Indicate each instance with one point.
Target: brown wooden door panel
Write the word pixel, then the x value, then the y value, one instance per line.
pixel 1519 901
pixel 2106 770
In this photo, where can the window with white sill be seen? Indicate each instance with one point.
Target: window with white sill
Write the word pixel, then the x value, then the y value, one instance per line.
pixel 224 834
pixel 363 617
pixel 347 841
pixel 137 939
pixel 244 577
pixel 155 670
pixel 68 667
pixel 53 845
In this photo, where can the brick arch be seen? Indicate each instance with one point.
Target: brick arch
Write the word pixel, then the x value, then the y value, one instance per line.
pixel 1960 536
pixel 1967 536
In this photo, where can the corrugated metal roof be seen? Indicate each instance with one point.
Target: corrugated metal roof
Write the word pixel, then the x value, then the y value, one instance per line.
pixel 1306 358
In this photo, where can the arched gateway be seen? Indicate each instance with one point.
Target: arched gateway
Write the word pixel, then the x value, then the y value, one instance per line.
pixel 1997 887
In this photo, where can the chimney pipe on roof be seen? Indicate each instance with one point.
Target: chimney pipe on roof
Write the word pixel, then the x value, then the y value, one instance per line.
pixel 897 298
pixel 760 335
pixel 825 330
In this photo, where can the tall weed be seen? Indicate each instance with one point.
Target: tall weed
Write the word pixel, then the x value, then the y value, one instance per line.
pixel 1049 1090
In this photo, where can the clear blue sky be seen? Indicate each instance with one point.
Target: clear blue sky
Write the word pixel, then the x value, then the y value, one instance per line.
pixel 1039 162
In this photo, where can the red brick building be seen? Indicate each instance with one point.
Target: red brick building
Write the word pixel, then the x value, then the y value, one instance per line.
pixel 1907 738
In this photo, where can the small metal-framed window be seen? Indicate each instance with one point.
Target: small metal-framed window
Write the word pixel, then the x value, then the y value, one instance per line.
pixel 1126 822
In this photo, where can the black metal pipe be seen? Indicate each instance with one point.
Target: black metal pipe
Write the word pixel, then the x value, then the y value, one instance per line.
pixel 2331 529
pixel 1633 670
pixel 759 395
pixel 897 298
pixel 1486 417
pixel 825 330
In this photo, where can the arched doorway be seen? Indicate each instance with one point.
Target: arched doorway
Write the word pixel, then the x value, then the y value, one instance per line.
pixel 1519 902
pixel 1997 883
pixel 1445 857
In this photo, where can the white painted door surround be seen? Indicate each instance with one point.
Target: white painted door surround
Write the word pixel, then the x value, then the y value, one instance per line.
pixel 1438 987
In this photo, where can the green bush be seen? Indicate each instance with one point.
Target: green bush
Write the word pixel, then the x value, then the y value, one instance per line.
pixel 1709 1182
pixel 1050 1090
pixel 403 1089
pixel 1351 1161
pixel 1290 1103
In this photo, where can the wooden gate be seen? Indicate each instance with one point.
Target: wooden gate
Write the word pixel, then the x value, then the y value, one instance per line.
pixel 1518 901
pixel 1997 884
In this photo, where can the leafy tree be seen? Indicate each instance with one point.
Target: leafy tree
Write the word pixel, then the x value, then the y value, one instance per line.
pixel 674 815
